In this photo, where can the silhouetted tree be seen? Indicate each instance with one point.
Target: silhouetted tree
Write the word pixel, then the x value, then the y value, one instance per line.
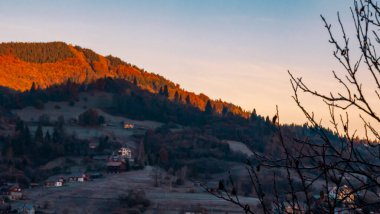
pixel 188 102
pixel 47 137
pixel 91 117
pixel 267 119
pixel 253 115
pixel 340 168
pixel 176 97
pixel 208 109
pixel 33 88
pixel 166 91
pixel 225 111
pixel 57 135
pixel 39 135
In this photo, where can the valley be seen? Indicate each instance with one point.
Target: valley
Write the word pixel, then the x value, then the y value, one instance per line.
pixel 172 192
pixel 85 133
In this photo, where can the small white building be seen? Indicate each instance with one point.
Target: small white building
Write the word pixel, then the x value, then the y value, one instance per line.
pixel 128 125
pixel 78 177
pixel 58 183
pixel 53 183
pixel 15 194
pixel 125 152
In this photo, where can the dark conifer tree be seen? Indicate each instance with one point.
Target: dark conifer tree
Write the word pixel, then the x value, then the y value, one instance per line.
pixel 33 88
pixel 47 137
pixel 225 111
pixel 253 115
pixel 166 91
pixel 188 102
pixel 267 119
pixel 176 97
pixel 26 135
pixel 39 135
pixel 208 108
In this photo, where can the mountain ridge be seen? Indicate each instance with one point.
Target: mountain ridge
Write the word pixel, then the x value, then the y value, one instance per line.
pixel 40 65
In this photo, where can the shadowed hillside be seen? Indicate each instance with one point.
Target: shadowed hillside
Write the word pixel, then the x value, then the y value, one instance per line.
pixel 40 65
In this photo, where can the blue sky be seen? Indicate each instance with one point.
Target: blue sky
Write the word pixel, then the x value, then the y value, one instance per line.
pixel 237 50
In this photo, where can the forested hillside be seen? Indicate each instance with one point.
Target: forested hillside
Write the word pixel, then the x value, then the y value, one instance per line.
pixel 39 65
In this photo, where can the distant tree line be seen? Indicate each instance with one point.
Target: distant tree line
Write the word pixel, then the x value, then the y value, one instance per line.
pixel 202 154
pixel 133 102
pixel 37 52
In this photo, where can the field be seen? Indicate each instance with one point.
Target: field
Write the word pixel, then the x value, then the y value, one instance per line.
pixel 112 128
pixel 86 100
pixel 101 195
pixel 239 147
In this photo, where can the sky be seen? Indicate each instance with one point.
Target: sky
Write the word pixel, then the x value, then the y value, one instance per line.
pixel 236 50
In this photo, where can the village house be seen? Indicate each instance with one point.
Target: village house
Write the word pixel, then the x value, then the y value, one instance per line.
pixel 11 192
pixel 78 177
pixel 53 184
pixel 116 164
pixel 125 152
pixel 93 145
pixel 55 181
pixel 60 180
pixel 343 193
pixel 128 126
pixel 15 193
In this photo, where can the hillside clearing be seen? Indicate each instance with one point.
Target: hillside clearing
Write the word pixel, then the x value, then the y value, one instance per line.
pixel 239 147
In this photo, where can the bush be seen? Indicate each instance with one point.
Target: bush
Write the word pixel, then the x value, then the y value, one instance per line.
pixel 135 199
pixel 91 118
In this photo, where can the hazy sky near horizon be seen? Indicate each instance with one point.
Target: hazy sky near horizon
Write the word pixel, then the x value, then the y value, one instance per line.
pixel 238 51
